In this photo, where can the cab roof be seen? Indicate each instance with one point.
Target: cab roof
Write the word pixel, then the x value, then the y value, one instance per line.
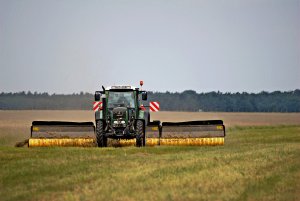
pixel 121 87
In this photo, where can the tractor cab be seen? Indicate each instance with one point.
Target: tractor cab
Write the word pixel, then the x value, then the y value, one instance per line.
pixel 121 99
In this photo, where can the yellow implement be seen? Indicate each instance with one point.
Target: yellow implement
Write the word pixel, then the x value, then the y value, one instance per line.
pixel 82 134
pixel 61 133
pixel 174 142
pixel 69 142
pixel 192 141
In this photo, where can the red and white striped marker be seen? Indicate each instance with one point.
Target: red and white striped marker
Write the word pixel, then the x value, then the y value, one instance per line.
pixel 97 106
pixel 154 106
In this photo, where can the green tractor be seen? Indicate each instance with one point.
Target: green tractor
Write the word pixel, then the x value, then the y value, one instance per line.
pixel 121 114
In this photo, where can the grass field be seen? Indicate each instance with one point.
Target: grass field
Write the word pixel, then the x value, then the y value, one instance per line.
pixel 259 161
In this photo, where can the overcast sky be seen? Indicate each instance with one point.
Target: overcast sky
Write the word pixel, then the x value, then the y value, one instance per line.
pixel 67 46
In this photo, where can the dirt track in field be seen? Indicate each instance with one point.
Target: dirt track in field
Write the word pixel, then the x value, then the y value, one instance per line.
pixel 20 118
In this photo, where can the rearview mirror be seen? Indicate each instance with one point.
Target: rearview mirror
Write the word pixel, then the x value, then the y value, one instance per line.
pixel 97 95
pixel 144 96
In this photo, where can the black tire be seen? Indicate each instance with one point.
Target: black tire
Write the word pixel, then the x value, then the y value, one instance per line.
pixel 140 136
pixel 100 134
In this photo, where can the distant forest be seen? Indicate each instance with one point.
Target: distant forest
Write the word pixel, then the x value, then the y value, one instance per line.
pixel 188 100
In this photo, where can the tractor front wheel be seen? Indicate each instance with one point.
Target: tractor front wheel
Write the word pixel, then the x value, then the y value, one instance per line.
pixel 140 137
pixel 100 134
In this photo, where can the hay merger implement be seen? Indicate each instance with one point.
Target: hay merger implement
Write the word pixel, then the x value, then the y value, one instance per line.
pixel 121 119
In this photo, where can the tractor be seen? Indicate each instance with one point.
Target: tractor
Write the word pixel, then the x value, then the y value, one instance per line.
pixel 121 114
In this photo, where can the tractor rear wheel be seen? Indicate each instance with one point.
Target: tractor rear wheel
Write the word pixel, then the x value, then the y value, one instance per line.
pixel 140 137
pixel 100 134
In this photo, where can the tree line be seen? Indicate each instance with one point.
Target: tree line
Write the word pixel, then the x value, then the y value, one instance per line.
pixel 229 102
pixel 188 100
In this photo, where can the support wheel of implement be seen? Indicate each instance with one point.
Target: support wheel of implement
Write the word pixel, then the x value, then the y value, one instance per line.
pixel 140 136
pixel 100 134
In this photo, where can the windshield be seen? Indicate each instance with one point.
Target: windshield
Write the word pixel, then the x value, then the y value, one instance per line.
pixel 120 99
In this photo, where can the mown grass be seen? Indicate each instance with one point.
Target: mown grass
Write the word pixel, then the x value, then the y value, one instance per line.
pixel 256 163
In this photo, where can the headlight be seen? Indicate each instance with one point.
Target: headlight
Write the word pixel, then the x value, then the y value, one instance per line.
pixel 119 123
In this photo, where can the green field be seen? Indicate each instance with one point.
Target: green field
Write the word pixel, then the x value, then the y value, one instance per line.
pixel 256 163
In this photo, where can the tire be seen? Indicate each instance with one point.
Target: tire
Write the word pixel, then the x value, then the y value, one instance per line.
pixel 100 134
pixel 140 136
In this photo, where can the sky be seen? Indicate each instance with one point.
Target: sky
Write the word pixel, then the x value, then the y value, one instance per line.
pixel 67 46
